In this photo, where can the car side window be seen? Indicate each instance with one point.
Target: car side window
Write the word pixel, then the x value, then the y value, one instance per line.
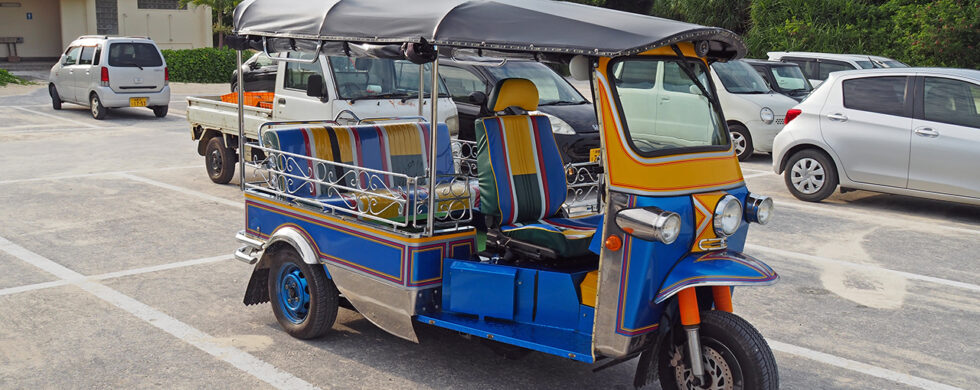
pixel 883 95
pixel 97 55
pixel 297 73
pixel 808 67
pixel 461 83
pixel 951 101
pixel 72 57
pixel 88 52
pixel 832 66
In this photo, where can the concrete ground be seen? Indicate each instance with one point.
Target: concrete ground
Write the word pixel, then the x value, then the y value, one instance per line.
pixel 116 271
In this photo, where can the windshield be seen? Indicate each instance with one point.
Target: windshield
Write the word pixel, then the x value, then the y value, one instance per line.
pixel 131 54
pixel 662 108
pixel 739 77
pixel 790 79
pixel 552 88
pixel 367 78
pixel 865 64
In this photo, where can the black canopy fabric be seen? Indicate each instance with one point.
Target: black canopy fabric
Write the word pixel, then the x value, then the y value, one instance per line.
pixel 531 26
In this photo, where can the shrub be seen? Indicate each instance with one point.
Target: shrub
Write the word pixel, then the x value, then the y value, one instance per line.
pixel 206 65
pixel 7 78
pixel 936 33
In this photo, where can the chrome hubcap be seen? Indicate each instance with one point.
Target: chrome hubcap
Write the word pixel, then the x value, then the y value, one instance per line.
pixel 739 141
pixel 807 176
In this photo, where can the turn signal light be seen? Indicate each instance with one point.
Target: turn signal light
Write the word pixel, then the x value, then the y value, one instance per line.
pixel 105 76
pixel 613 243
pixel 792 114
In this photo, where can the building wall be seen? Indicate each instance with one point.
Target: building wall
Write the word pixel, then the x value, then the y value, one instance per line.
pixel 170 29
pixel 42 34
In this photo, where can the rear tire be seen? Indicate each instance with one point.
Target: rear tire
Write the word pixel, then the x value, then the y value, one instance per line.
pixel 736 356
pixel 304 301
pixel 742 141
pixel 55 99
pixel 160 111
pixel 810 175
pixel 219 161
pixel 98 110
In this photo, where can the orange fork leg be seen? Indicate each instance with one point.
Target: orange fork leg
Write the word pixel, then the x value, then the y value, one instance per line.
pixel 687 302
pixel 723 297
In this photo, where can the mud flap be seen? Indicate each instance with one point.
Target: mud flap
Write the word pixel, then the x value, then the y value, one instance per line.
pixel 258 287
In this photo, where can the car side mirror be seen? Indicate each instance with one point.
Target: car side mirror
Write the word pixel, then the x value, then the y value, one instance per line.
pixel 477 97
pixel 253 66
pixel 314 86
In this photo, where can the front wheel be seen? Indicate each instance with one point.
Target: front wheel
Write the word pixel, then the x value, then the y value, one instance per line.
pixel 304 301
pixel 742 141
pixel 55 98
pixel 736 356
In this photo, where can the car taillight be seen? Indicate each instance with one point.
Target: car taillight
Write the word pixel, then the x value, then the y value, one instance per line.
pixel 105 76
pixel 792 114
pixel 166 75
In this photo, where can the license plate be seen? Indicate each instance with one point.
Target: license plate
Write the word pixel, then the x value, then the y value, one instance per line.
pixel 594 154
pixel 137 102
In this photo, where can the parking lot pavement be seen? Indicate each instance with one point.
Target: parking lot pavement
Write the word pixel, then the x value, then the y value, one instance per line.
pixel 116 271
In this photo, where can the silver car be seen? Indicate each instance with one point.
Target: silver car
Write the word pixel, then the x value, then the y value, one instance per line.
pixel 104 72
pixel 911 131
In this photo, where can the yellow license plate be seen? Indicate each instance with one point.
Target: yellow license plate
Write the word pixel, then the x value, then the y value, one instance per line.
pixel 594 154
pixel 137 102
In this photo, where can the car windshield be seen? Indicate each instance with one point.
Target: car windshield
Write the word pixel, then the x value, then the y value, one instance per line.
pixel 790 79
pixel 865 64
pixel 133 54
pixel 739 77
pixel 664 111
pixel 552 88
pixel 367 78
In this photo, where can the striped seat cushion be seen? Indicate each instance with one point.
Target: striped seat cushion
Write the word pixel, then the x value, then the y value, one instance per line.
pixel 568 237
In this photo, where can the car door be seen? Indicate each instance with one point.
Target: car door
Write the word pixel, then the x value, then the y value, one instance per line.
pixel 867 123
pixel 945 150
pixel 65 78
pixel 461 83
pixel 82 72
pixel 291 102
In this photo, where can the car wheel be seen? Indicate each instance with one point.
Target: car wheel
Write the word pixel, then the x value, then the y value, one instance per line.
pixel 810 175
pixel 98 110
pixel 55 99
pixel 742 141
pixel 160 111
pixel 304 301
pixel 219 161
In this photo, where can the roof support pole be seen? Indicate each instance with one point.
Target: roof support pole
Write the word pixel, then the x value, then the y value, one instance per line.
pixel 433 127
pixel 241 121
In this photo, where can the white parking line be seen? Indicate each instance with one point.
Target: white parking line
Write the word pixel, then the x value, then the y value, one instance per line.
pixel 80 123
pixel 873 268
pixel 187 191
pixel 759 174
pixel 241 360
pixel 828 209
pixel 856 366
pixel 84 175
pixel 28 126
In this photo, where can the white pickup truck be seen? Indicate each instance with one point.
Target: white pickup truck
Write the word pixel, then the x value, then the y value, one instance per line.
pixel 304 91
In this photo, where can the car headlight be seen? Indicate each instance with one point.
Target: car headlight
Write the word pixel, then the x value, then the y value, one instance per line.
pixel 558 126
pixel 758 209
pixel 650 223
pixel 728 216
pixel 453 124
pixel 767 115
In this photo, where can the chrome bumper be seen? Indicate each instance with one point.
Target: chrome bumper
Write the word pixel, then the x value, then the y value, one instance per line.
pixel 248 253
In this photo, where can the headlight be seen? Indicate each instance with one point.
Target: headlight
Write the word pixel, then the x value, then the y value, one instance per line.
pixel 758 209
pixel 767 115
pixel 650 223
pixel 453 124
pixel 728 215
pixel 558 126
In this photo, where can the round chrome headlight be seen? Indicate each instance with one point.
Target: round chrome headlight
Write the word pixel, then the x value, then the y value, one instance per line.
pixel 650 223
pixel 767 115
pixel 758 209
pixel 728 216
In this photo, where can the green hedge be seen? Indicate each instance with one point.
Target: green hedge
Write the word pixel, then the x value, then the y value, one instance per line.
pixel 207 65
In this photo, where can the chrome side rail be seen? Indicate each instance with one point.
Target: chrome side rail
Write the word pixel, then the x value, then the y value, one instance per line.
pixel 248 253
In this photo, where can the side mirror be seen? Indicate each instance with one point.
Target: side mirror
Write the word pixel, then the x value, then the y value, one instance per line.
pixel 314 86
pixel 478 98
pixel 254 65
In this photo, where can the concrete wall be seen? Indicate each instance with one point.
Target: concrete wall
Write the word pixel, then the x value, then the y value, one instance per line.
pixel 42 34
pixel 78 18
pixel 170 29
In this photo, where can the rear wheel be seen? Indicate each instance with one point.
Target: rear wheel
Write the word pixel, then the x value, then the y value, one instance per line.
pixel 304 301
pixel 742 141
pixel 55 99
pixel 98 110
pixel 160 111
pixel 810 175
pixel 736 356
pixel 219 161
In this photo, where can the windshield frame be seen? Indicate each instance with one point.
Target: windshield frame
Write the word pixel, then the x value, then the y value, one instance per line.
pixel 721 126
pixel 559 80
pixel 443 90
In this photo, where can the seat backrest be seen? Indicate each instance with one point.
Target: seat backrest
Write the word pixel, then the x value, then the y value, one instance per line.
pixel 522 177
pixel 392 147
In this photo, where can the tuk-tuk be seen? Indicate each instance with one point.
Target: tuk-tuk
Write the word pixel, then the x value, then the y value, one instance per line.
pixel 394 219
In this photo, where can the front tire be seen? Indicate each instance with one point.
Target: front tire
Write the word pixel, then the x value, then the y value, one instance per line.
pixel 55 99
pixel 810 175
pixel 98 110
pixel 219 161
pixel 304 301
pixel 742 141
pixel 736 356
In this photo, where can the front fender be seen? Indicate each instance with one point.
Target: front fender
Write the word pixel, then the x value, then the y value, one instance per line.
pixel 725 268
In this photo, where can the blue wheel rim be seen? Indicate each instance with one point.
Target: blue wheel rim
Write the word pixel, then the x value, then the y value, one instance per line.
pixel 293 293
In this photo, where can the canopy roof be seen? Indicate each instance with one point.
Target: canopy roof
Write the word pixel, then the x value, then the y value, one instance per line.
pixel 529 26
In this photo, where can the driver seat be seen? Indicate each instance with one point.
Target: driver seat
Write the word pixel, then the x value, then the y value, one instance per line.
pixel 522 179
